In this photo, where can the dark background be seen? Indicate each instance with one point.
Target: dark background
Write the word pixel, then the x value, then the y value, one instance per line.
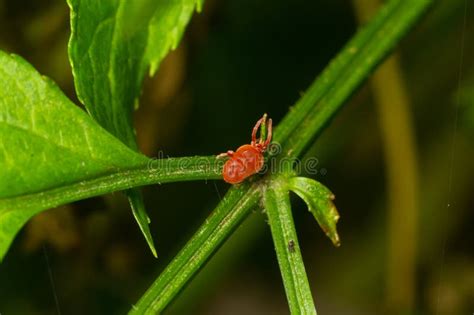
pixel 237 60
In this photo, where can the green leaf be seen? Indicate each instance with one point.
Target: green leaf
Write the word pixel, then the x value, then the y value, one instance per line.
pixel 138 209
pixel 137 204
pixel 46 141
pixel 319 200
pixel 278 209
pixel 166 28
pixel 112 44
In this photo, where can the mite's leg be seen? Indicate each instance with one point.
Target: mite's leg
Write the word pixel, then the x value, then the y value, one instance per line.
pixel 269 134
pixel 255 129
pixel 229 153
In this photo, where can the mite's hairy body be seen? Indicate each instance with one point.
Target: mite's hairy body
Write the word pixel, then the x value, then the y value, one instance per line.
pixel 248 159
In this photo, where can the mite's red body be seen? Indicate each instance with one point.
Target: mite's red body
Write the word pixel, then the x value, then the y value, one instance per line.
pixel 245 162
pixel 248 159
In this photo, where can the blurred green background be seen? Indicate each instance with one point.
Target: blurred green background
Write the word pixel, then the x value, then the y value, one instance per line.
pixel 237 60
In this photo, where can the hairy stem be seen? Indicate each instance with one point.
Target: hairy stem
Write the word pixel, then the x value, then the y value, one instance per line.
pixel 154 172
pixel 278 208
pixel 233 208
pixel 345 73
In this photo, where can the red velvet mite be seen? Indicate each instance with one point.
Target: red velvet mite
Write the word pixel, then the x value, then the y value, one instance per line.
pixel 248 159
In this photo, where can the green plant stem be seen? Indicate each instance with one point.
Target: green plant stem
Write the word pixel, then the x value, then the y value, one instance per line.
pixel 296 131
pixel 278 208
pixel 223 263
pixel 345 73
pixel 233 208
pixel 154 172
